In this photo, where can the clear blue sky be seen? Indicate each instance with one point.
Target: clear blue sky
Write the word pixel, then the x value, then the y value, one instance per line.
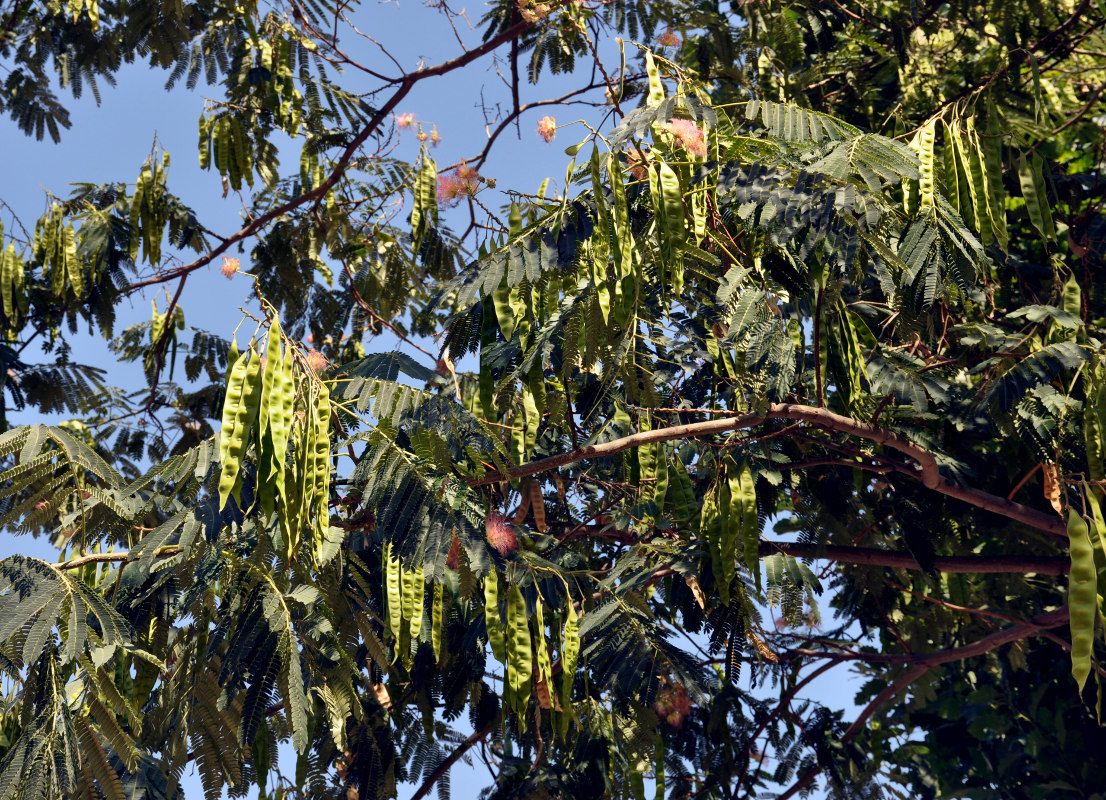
pixel 109 143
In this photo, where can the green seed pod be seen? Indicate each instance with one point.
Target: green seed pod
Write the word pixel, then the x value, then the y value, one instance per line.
pixel 492 619
pixel 1082 597
pixel 520 655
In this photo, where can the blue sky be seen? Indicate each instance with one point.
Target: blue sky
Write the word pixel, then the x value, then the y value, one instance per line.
pixel 109 143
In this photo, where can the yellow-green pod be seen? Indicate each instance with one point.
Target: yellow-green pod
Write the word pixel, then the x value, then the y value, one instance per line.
pixel 7 270
pixel 545 664
pixel 749 523
pixel 239 411
pixel 205 142
pixel 72 263
pixel 1082 597
pixel 492 620
pixel 320 489
pixel 281 427
pixel 660 487
pixel 418 593
pixel 393 591
pixel 926 183
pixel 656 87
pixel 270 401
pixel 520 655
pixel 437 615
pixel 570 654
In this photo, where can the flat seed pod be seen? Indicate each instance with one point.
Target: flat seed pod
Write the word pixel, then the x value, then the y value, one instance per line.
pixel 239 412
pixel 520 656
pixel 1082 597
pixel 492 620
pixel 392 591
pixel 436 618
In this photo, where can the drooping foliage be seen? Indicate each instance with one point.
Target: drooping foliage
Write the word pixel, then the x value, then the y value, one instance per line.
pixel 820 286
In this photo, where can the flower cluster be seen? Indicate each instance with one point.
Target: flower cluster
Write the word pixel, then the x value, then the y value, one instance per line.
pixel 230 266
pixel 547 128
pixel 635 159
pixel 316 361
pixel 405 120
pixel 501 534
pixel 673 704
pixel 433 136
pixel 668 39
pixel 689 136
pixel 462 182
pixel 533 12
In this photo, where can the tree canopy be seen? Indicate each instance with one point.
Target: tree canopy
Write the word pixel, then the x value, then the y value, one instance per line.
pixel 799 368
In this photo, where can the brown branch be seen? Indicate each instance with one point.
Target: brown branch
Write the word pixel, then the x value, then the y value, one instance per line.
pixel 921 664
pixel 868 556
pixel 107 558
pixel 449 761
pixel 927 471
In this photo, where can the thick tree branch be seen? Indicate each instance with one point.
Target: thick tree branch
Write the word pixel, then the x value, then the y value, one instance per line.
pixel 927 471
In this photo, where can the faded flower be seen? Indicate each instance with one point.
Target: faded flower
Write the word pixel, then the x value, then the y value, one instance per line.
pixel 533 12
pixel 673 704
pixel 668 39
pixel 230 266
pixel 547 128
pixel 635 159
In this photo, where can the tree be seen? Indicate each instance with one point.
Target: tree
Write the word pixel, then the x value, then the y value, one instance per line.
pixel 824 269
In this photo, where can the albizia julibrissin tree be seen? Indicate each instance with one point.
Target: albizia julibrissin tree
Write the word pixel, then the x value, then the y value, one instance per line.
pixel 830 269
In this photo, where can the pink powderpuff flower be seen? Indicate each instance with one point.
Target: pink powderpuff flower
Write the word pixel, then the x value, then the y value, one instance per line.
pixel 689 136
pixel 501 534
pixel 435 137
pixel 547 128
pixel 668 39
pixel 462 182
pixel 316 360
pixel 230 266
pixel 405 120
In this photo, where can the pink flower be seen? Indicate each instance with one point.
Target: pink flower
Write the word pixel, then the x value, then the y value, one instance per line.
pixel 230 266
pixel 405 120
pixel 462 182
pixel 547 128
pixel 316 360
pixel 435 137
pixel 689 136
pixel 501 534
pixel 668 39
